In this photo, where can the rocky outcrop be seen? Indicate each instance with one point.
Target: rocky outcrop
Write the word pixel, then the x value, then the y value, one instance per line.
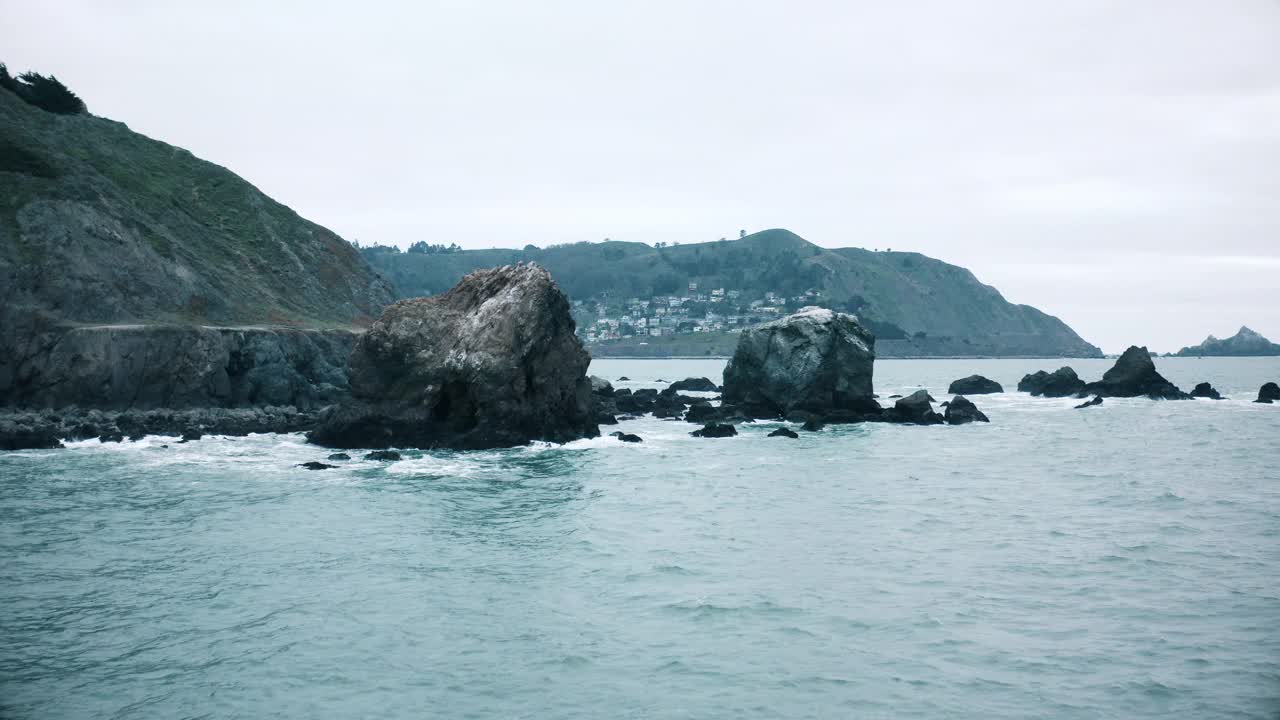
pixel 1097 400
pixel 915 408
pixel 1268 393
pixel 974 385
pixel 175 367
pixel 27 428
pixel 1062 382
pixel 695 385
pixel 493 362
pixel 1134 375
pixel 1205 390
pixel 961 410
pixel 715 430
pixel 816 360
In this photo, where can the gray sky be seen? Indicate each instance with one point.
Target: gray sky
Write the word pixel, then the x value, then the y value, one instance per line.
pixel 1114 163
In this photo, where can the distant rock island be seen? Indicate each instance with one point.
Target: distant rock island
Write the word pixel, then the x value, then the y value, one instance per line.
pixel 633 299
pixel 1245 343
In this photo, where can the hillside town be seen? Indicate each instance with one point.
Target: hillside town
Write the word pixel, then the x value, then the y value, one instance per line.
pixel 696 311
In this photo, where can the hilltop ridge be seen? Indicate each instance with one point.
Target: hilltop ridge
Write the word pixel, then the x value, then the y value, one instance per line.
pixel 1245 343
pixel 920 305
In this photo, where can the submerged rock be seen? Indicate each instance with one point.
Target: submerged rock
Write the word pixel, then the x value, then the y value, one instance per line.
pixel 715 430
pixel 1268 393
pixel 339 456
pixel 1205 390
pixel 974 385
pixel 190 435
pixel 386 455
pixel 313 465
pixel 961 410
pixel 627 437
pixel 1097 400
pixel 1134 375
pixel 815 360
pixel 813 425
pixel 784 432
pixel 1062 382
pixel 695 385
pixel 493 362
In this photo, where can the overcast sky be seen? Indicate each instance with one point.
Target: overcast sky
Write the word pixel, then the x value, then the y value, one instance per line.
pixel 1116 164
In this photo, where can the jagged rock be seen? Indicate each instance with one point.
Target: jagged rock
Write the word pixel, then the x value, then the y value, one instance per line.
pixel 493 362
pixel 1268 393
pixel 784 432
pixel 1205 390
pixel 627 437
pixel 313 465
pixel 715 430
pixel 1062 382
pixel 339 456
pixel 915 408
pixel 1097 400
pixel 694 385
pixel 1134 375
pixel 974 385
pixel 961 410
pixel 387 455
pixel 815 360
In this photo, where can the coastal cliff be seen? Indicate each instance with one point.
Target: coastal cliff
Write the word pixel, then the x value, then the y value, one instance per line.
pixel 136 275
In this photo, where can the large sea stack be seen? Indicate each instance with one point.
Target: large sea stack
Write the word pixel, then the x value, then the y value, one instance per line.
pixel 815 361
pixel 1134 375
pixel 494 362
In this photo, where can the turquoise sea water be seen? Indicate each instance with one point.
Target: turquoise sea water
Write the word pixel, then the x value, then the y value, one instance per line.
pixel 1116 562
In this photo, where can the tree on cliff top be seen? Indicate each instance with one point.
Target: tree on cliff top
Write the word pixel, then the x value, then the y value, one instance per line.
pixel 46 93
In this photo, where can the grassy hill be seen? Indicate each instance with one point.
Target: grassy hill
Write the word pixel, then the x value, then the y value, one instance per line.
pixel 99 224
pixel 934 307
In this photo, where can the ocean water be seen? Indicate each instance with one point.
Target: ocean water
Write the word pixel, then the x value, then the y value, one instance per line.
pixel 1116 562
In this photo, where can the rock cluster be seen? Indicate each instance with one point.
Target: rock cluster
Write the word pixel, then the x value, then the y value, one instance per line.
pixel 1062 382
pixel 493 362
pixel 45 429
pixel 1133 375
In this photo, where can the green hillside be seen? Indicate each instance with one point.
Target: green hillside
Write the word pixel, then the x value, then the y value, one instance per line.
pixel 942 308
pixel 99 224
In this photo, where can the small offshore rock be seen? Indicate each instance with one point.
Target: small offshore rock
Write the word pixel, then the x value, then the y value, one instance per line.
pixel 339 456
pixel 784 432
pixel 1097 400
pixel 974 385
pixel 1268 393
pixel 1134 375
pixel 700 384
pixel 624 378
pixel 1062 382
pixel 190 435
pixel 916 408
pixel 1205 390
pixel 627 437
pixel 313 465
pixel 813 425
pixel 715 430
pixel 961 410
pixel 389 455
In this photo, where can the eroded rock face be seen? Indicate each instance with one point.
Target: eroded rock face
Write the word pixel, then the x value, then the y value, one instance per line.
pixel 974 385
pixel 1134 375
pixel 1062 382
pixel 493 362
pixel 816 360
